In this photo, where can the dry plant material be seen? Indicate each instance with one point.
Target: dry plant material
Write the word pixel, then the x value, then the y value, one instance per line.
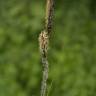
pixel 44 43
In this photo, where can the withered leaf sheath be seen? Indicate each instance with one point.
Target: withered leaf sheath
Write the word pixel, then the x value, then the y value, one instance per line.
pixel 43 42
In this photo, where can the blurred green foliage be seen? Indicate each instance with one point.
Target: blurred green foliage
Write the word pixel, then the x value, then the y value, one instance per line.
pixel 72 54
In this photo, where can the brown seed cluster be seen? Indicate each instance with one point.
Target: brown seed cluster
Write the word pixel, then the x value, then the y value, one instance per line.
pixel 49 15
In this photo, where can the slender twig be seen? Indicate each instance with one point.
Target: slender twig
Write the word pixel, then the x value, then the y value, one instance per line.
pixel 43 43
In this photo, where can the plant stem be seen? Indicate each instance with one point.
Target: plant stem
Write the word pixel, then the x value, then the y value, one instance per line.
pixel 43 43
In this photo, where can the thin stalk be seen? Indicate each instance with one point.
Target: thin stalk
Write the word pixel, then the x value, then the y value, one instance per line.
pixel 44 43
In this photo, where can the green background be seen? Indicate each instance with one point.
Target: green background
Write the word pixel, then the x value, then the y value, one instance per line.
pixel 72 52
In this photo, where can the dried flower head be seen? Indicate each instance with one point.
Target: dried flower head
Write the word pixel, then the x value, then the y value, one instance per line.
pixel 43 42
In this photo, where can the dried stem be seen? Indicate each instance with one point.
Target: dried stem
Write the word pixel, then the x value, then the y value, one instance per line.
pixel 43 43
pixel 49 16
pixel 45 76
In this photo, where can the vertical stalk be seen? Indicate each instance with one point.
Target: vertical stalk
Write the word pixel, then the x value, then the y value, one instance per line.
pixel 49 16
pixel 44 43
